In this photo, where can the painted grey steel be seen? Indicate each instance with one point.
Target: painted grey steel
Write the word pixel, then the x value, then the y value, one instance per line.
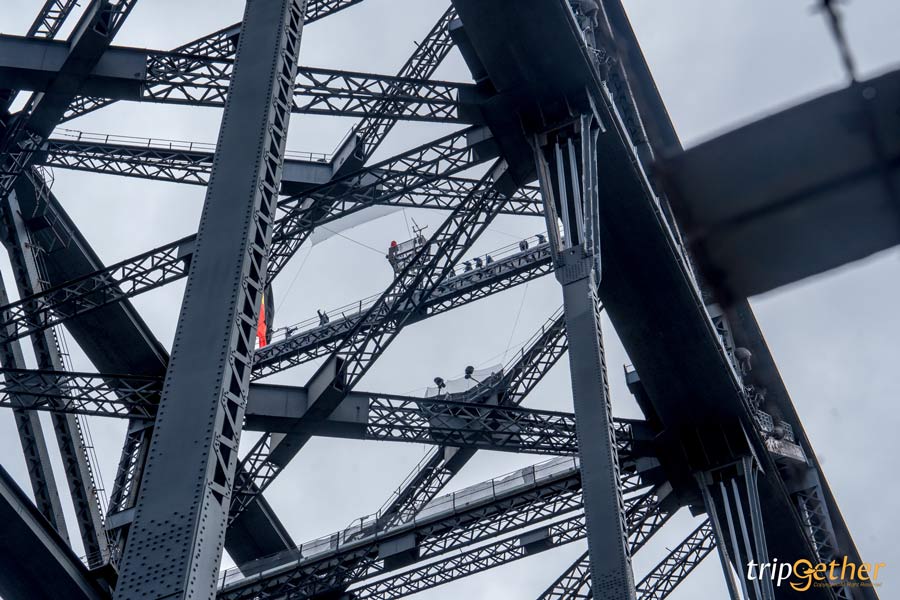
pixel 586 132
pixel 26 256
pixel 181 531
pixel 570 193
pixel 37 563
pixel 34 444
pixel 611 570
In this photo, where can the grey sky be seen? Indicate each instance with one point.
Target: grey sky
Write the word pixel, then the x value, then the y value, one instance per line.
pixel 717 64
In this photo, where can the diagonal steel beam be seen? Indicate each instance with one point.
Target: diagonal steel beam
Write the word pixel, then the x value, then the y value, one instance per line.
pixel 58 304
pixel 468 517
pixel 208 374
pixel 375 185
pixel 50 18
pixel 34 445
pixel 37 563
pixel 299 347
pixel 91 38
pixel 678 564
pixel 436 470
pixel 644 520
pixel 26 258
pixel 383 322
pixel 421 166
pixel 422 64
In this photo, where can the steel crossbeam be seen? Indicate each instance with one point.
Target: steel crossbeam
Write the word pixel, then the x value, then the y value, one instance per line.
pixel 384 417
pixel 67 392
pixel 471 516
pixel 202 63
pixel 491 556
pixel 125 279
pixel 190 162
pixel 193 80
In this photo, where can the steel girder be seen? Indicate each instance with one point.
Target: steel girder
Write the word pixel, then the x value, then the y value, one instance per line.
pixel 379 326
pixel 34 445
pixel 51 17
pixel 190 162
pixel 182 532
pixel 169 263
pixel 436 470
pixel 678 564
pixel 422 166
pixel 471 516
pixel 385 417
pixel 453 423
pixel 26 259
pixel 91 38
pixel 643 520
pixel 190 63
pixel 504 551
pixel 455 291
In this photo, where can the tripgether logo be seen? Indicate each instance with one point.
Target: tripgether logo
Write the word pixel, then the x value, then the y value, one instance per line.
pixel 803 574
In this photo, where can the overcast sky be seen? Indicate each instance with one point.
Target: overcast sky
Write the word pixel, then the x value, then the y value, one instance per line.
pixel 717 64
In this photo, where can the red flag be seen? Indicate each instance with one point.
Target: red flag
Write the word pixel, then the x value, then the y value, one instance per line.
pixel 261 328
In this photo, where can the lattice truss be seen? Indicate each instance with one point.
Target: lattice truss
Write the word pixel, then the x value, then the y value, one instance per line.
pixel 422 537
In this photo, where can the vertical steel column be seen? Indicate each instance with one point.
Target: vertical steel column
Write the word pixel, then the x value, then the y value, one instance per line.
pixel 23 255
pixel 732 501
pixel 611 572
pixel 34 446
pixel 567 173
pixel 176 540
